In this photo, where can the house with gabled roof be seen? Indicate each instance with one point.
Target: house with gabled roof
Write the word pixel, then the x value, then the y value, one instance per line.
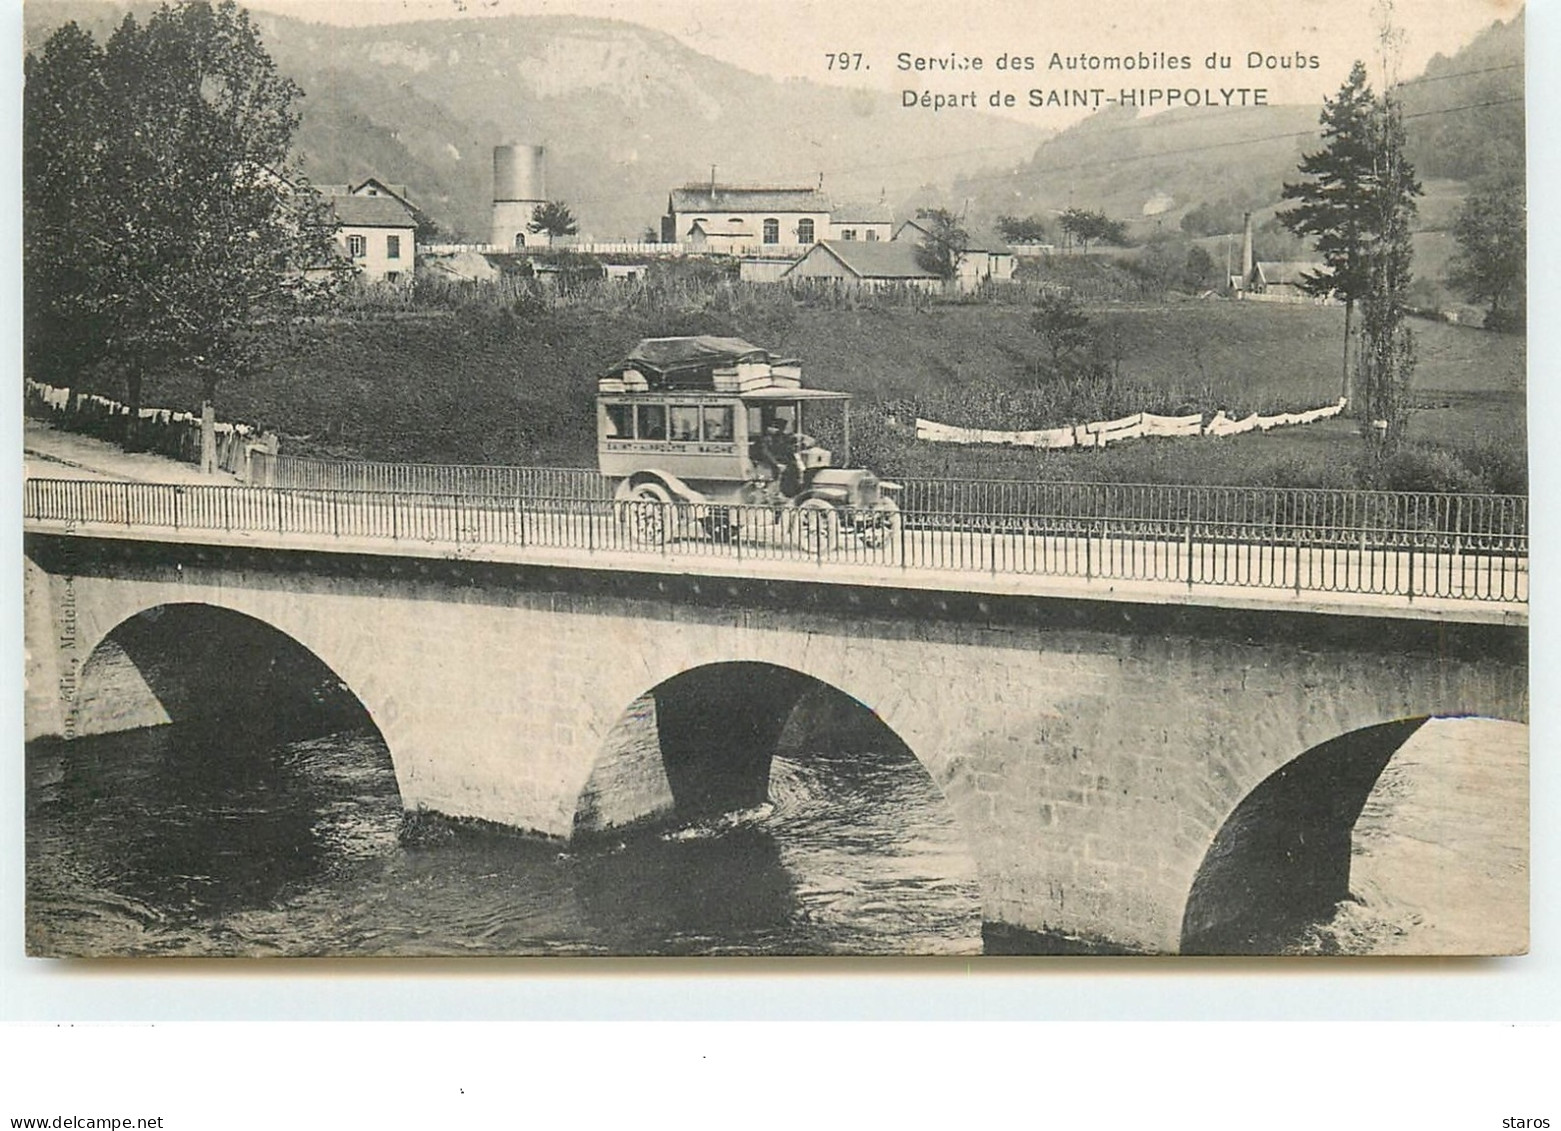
pixel 376 228
pixel 770 216
pixel 1284 278
pixel 867 264
pixel 986 257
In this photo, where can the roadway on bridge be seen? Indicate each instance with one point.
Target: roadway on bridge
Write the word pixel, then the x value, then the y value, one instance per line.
pixel 1159 571
pixel 1122 569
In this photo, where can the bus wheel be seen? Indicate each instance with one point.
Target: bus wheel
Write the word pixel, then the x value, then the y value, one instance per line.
pixel 645 515
pixel 881 525
pixel 817 525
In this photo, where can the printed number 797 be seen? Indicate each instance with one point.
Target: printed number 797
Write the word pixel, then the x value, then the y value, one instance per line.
pixel 844 61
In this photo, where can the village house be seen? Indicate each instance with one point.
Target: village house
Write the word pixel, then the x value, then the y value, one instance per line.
pixel 986 258
pixel 739 219
pixel 868 222
pixel 376 228
pixel 864 264
pixel 1283 278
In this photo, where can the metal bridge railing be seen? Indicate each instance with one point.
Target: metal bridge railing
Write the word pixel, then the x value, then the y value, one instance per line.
pixel 428 478
pixel 1471 547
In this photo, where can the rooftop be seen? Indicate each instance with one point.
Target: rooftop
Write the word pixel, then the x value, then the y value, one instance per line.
pixel 873 259
pixel 370 211
pixel 748 198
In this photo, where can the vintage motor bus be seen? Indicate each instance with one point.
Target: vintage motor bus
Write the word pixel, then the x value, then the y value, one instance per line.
pixel 722 427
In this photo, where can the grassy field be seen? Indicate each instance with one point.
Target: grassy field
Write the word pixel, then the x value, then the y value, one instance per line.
pixel 492 384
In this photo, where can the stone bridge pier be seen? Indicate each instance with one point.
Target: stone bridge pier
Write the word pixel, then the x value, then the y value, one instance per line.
pixel 1127 776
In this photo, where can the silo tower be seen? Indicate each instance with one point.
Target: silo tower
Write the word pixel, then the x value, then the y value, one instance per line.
pixel 519 185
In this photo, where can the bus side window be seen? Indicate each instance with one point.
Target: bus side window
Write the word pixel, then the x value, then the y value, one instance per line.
pixel 718 423
pixel 685 423
pixel 652 421
pixel 620 421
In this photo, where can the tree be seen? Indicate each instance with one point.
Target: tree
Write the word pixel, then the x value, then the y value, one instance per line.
pixel 1357 205
pixel 943 244
pixel 554 218
pixel 1333 204
pixel 1086 226
pixel 1387 345
pixel 63 99
pixel 1023 229
pixel 190 237
pixel 1061 323
pixel 1197 268
pixel 1489 265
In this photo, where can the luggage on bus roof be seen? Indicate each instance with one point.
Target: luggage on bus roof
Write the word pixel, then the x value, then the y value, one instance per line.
pixel 705 349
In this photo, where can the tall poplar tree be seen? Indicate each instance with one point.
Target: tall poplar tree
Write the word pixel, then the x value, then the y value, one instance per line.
pixel 1333 203
pixel 1387 345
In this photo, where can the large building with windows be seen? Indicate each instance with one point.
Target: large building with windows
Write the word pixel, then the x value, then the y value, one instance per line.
pixel 742 219
pixel 376 228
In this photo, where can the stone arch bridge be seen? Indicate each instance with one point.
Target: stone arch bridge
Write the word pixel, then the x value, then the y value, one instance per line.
pixel 1094 750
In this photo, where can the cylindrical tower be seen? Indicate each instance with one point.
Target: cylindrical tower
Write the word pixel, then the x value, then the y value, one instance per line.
pixel 519 185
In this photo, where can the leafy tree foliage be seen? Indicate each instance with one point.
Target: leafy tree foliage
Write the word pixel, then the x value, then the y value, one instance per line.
pixel 554 218
pixel 944 245
pixel 166 227
pixel 1387 346
pixel 1088 227
pixel 1061 323
pixel 1023 229
pixel 64 330
pixel 1489 266
pixel 1212 218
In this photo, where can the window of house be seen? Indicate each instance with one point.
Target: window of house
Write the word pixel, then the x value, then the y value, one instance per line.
pixel 685 423
pixel 392 247
pixel 652 421
pixel 872 235
pixel 772 231
pixel 357 247
pixel 804 231
pixel 718 423
pixel 848 234
pixel 520 239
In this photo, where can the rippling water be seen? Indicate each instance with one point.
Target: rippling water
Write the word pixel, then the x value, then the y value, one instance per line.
pixel 172 841
pixel 169 842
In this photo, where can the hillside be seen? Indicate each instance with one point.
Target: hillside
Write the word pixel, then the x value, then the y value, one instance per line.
pixel 627 113
pixel 1464 118
pixel 498 385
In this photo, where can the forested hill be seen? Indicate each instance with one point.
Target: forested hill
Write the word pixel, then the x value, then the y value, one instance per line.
pixel 1464 117
pixel 627 113
pixel 1465 114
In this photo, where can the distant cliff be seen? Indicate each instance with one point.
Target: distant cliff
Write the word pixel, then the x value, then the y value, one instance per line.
pixel 626 112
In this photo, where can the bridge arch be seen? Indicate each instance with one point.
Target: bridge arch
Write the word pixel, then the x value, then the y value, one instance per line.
pixel 1285 857
pixel 801 782
pixel 699 741
pixel 197 664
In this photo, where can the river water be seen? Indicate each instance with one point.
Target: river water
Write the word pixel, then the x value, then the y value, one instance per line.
pixel 167 842
pixel 176 841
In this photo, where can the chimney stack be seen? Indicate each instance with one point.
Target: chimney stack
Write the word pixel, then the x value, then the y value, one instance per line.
pixel 1246 249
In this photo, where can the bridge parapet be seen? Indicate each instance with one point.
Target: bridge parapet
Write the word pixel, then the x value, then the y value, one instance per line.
pixel 1363 553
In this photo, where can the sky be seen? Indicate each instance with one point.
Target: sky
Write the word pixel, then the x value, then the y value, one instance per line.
pixel 793 38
